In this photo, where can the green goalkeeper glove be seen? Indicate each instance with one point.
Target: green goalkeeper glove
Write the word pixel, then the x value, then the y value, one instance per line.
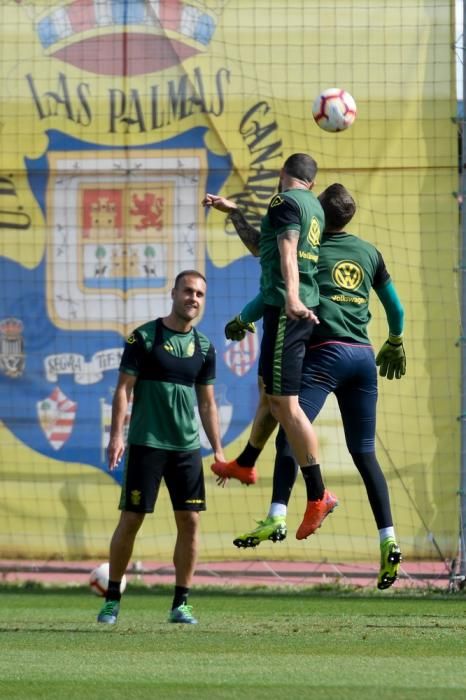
pixel 391 358
pixel 236 328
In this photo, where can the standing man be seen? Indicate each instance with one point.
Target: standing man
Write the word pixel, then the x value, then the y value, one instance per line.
pixel 166 363
pixel 289 250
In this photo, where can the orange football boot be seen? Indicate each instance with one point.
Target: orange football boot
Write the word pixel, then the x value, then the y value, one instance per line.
pixel 315 514
pixel 232 470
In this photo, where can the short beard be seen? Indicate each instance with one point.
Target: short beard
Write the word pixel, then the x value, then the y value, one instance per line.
pixel 182 314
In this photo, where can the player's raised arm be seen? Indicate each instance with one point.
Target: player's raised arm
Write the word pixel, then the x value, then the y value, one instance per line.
pixel 214 201
pixel 248 234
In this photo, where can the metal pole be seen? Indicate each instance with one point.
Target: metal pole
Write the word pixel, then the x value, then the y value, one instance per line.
pixel 462 493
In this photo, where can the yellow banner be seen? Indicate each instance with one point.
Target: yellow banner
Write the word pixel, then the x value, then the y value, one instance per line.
pixel 116 118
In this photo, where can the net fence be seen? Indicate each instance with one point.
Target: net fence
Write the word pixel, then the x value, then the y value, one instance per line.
pixel 116 118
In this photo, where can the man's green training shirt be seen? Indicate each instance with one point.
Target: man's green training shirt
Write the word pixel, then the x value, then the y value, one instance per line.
pixel 301 211
pixel 348 269
pixel 168 365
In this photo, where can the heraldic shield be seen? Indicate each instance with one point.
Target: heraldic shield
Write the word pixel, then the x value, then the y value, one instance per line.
pixel 120 230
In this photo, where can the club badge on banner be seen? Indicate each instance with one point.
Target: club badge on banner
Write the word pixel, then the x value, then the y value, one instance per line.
pixel 126 111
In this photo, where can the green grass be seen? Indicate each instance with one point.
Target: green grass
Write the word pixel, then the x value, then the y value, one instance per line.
pixel 249 645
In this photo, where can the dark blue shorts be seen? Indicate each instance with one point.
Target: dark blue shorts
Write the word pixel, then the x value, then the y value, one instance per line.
pixel 349 371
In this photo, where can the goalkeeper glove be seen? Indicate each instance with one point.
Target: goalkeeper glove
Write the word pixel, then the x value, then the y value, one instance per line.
pixel 236 328
pixel 391 358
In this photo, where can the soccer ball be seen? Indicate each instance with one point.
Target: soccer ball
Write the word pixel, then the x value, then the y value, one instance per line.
pixel 98 580
pixel 334 110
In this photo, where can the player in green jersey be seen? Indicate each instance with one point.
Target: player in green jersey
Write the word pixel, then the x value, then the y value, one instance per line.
pixel 340 359
pixel 166 365
pixel 288 247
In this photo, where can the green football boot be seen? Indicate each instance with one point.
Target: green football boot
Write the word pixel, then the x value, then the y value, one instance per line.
pixel 272 528
pixel 109 613
pixel 390 559
pixel 182 614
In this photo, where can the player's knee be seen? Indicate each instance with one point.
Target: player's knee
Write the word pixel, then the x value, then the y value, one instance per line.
pixel 275 405
pixel 130 522
pixel 284 408
pixel 187 522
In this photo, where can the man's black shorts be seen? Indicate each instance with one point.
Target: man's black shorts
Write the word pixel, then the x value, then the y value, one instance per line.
pixel 144 469
pixel 284 342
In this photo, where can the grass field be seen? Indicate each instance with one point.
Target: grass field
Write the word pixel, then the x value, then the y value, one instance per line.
pixel 249 645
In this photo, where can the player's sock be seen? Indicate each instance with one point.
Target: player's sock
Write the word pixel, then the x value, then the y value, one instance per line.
pixel 180 597
pixel 387 532
pixel 285 470
pixel 113 591
pixel 313 479
pixel 277 510
pixel 248 456
pixel 376 487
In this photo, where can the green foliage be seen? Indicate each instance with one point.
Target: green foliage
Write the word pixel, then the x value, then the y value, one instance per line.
pixel 253 646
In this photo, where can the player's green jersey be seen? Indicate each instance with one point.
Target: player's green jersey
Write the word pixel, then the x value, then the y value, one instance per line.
pixel 167 365
pixel 347 270
pixel 298 210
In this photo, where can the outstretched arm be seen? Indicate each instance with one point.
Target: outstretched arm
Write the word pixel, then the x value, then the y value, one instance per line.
pixel 248 234
pixel 237 328
pixel 393 308
pixel 391 357
pixel 254 309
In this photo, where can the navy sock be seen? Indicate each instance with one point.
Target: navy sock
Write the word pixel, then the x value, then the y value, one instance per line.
pixel 376 487
pixel 180 597
pixel 285 470
pixel 248 456
pixel 313 479
pixel 113 591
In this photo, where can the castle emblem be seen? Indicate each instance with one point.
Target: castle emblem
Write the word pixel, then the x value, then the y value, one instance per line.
pixel 120 241
pixel 12 357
